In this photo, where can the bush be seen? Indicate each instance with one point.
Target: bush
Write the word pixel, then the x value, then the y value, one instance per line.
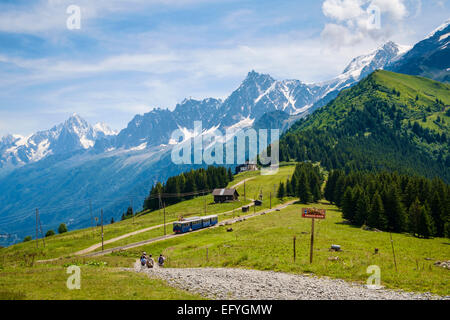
pixel 62 228
pixel 50 233
pixel 27 238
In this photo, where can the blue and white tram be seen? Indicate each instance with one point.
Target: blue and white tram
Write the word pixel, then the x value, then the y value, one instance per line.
pixel 195 223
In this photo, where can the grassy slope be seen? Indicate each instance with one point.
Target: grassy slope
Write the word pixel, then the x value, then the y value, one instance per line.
pixel 99 283
pixel 66 244
pixel 108 282
pixel 254 186
pixel 266 243
pixel 409 86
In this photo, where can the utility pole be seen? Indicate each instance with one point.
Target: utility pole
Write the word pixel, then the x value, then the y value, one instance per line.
pixel 102 227
pixel 40 228
pixel 270 200
pixel 245 198
pixel 131 206
pixel 295 238
pixel 159 197
pixel 90 210
pixel 164 206
pixel 393 252
pixel 312 242
pixel 37 243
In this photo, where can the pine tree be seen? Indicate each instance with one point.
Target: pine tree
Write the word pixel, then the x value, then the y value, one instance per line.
pixel 281 191
pixel 377 218
pixel 414 212
pixel 339 190
pixel 447 229
pixel 294 183
pixel 315 185
pixel 437 213
pixel 425 223
pixel 348 207
pixel 362 207
pixel 129 212
pixel 329 186
pixel 289 191
pixel 303 191
pixel 230 175
pixel 394 209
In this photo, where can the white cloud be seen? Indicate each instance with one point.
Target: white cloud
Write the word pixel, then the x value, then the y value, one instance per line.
pixel 51 15
pixel 342 10
pixel 395 8
pixel 356 20
pixel 292 58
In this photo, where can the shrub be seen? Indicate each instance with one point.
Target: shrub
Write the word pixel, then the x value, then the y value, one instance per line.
pixel 50 233
pixel 62 228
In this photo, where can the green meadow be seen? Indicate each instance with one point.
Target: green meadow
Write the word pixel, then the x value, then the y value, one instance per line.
pixel 264 242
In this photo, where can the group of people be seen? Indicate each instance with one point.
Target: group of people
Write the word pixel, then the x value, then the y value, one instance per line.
pixel 147 260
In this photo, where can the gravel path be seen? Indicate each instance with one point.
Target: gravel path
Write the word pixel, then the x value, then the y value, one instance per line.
pixel 230 284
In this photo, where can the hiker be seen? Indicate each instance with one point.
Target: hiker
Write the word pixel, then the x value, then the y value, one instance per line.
pixel 143 258
pixel 161 260
pixel 150 262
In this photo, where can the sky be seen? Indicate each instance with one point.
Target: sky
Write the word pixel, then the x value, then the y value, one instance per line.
pixel 128 57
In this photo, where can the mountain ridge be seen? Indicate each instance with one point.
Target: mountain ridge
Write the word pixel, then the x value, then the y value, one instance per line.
pixel 388 121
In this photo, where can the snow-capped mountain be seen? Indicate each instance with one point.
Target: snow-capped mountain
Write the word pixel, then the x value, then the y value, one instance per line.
pixel 72 135
pixel 358 69
pixel 258 95
pixel 429 58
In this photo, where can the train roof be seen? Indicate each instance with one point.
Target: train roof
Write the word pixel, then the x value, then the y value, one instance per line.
pixel 187 220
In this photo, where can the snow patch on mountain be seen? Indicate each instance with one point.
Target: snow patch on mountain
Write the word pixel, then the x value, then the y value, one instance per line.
pixel 103 128
pixel 438 29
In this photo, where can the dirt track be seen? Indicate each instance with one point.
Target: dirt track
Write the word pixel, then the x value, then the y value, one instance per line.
pixel 231 284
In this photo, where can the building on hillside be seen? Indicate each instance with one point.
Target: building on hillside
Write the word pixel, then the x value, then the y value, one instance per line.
pixel 225 195
pixel 247 166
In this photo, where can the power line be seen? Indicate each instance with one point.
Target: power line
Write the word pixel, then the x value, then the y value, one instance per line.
pixel 23 214
pixel 67 205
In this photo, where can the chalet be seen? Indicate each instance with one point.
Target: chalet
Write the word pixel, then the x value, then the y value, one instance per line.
pixel 225 195
pixel 247 166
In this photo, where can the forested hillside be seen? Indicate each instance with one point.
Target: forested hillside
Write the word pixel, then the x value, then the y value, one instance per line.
pixel 388 122
pixel 187 185
pixel 392 202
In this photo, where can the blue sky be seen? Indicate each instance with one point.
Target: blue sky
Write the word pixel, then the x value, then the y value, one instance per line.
pixel 131 56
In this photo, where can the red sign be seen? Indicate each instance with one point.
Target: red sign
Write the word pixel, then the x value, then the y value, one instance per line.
pixel 313 213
